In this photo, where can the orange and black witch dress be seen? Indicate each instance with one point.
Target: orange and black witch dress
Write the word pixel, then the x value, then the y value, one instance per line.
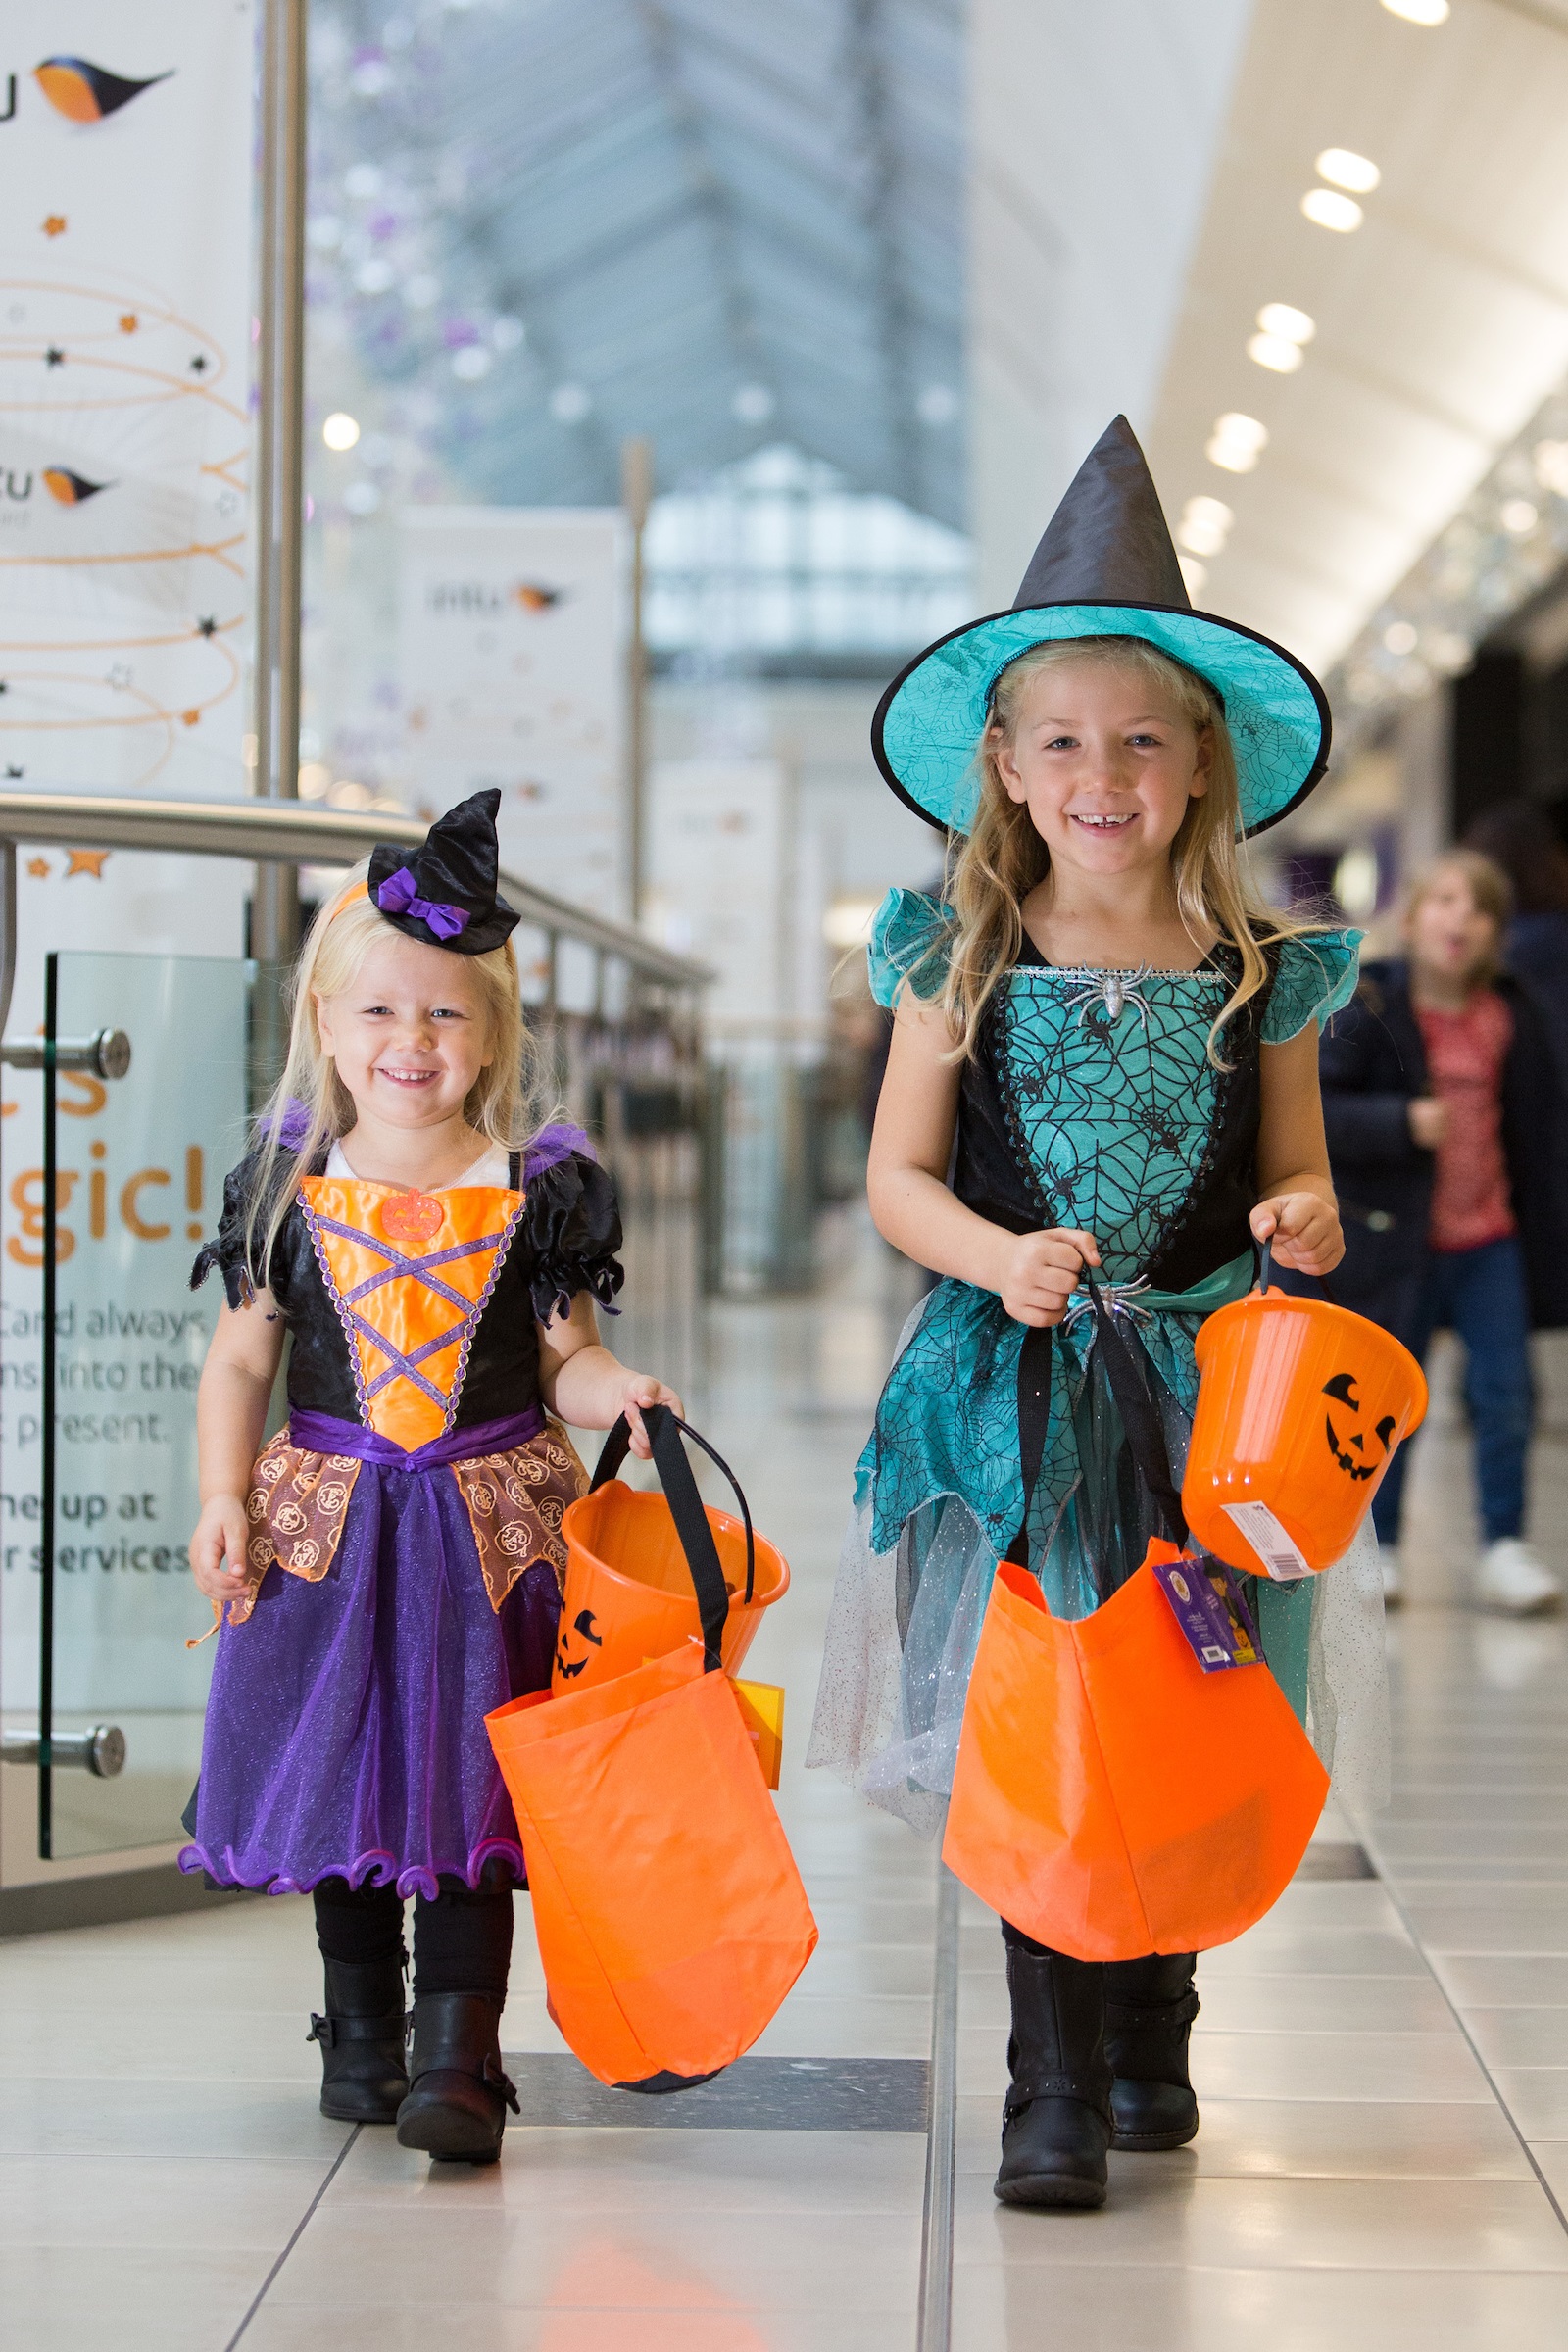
pixel 405 1550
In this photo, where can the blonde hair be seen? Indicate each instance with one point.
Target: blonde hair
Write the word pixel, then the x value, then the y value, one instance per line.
pixel 1489 887
pixel 501 1104
pixel 1004 856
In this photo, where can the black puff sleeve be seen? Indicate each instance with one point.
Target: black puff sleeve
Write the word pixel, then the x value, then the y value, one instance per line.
pixel 226 1251
pixel 572 1224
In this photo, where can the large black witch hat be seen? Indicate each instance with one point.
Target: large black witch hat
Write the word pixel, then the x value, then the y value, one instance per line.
pixel 445 893
pixel 1105 568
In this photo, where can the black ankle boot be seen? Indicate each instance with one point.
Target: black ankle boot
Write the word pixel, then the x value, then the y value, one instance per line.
pixel 1149 2008
pixel 1056 2127
pixel 363 2075
pixel 457 2093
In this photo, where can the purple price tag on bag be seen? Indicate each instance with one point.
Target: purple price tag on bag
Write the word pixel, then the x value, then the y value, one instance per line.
pixel 1207 1603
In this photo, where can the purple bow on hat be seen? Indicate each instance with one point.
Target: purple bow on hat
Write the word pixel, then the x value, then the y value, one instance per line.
pixel 398 895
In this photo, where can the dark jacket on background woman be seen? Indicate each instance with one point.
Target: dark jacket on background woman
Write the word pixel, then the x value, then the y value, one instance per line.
pixel 1372 1063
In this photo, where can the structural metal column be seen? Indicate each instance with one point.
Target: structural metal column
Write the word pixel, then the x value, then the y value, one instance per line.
pixel 280 455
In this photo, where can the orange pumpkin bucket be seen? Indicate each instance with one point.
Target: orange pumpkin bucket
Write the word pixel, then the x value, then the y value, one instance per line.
pixel 628 1592
pixel 1301 1405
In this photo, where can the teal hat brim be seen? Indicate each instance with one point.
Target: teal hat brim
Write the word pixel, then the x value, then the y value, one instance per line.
pixel 929 722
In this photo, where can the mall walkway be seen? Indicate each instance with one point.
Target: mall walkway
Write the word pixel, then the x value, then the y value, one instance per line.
pixel 1383 2064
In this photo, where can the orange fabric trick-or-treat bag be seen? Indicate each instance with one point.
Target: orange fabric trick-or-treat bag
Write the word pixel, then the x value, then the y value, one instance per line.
pixel 670 1915
pixel 1111 1798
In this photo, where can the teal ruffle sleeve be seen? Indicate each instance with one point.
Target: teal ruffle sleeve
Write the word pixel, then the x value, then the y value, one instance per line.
pixel 909 943
pixel 1316 978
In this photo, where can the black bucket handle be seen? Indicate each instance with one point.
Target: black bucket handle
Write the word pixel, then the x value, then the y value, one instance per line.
pixel 666 1429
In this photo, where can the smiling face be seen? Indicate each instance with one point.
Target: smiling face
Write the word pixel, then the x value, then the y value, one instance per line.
pixel 1107 764
pixel 1451 937
pixel 410 1035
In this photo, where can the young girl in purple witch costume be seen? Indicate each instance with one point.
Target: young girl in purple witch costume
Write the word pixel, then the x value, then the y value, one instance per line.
pixel 390 1561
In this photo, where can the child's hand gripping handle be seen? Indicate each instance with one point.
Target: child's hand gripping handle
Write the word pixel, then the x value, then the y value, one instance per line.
pixel 1140 1419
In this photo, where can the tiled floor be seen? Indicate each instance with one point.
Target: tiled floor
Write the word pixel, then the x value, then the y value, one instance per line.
pixel 1383 2062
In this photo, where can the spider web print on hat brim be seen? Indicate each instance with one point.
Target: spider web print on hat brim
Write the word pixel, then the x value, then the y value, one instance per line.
pixel 929 722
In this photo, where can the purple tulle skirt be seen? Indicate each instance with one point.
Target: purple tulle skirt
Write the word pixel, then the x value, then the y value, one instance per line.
pixel 345 1731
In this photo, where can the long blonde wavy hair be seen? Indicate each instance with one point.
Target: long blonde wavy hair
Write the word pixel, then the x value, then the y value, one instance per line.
pixel 994 870
pixel 502 1105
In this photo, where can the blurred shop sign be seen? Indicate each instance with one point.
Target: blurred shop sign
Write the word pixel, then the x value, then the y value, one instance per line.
pixel 716 868
pixel 125 172
pixel 513 669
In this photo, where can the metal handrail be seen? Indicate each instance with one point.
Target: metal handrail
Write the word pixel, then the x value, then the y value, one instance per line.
pixel 282 832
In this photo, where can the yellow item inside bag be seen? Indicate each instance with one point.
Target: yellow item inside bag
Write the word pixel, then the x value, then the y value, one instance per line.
pixel 762 1713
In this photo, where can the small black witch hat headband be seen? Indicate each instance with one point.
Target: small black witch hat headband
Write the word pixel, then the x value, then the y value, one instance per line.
pixel 448 896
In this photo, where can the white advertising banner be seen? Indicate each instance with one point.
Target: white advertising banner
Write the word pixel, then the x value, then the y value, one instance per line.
pixel 126 160
pixel 513 667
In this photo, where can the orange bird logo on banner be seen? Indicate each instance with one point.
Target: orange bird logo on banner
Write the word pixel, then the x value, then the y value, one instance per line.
pixel 85 92
pixel 69 489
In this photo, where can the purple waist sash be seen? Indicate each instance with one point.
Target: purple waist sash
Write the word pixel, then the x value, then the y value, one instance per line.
pixel 324 1432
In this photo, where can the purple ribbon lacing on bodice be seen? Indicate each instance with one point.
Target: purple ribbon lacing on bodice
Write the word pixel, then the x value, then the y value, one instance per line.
pixel 324 1432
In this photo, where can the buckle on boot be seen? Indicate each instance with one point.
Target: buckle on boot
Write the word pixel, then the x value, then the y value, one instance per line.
pixel 1091 2089
pixel 1143 2017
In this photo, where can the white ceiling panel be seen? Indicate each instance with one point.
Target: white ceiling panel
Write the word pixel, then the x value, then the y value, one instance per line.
pixel 1442 323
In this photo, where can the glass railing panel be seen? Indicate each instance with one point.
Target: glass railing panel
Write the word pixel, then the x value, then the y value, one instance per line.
pixel 138 1171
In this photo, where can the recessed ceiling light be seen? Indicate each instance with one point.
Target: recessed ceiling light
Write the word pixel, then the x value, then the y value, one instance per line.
pixel 1273 351
pixel 340 430
pixel 1343 167
pixel 1419 12
pixel 1283 318
pixel 1331 211
pixel 1205 525
pixel 1519 518
pixel 1237 442
pixel 1400 637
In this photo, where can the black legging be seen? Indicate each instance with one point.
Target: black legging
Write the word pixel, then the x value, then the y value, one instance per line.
pixel 461 1941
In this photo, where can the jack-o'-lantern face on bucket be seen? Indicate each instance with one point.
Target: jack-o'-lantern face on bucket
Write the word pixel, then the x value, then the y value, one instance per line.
pixel 576 1644
pixel 1348 1444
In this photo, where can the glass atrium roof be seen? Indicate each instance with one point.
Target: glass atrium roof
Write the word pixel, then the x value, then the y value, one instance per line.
pixel 544 226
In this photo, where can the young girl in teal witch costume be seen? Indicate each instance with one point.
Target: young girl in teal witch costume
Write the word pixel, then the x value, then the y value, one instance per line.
pixel 1105 1058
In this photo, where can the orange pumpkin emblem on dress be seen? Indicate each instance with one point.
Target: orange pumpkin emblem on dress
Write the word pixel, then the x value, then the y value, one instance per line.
pixel 412 1217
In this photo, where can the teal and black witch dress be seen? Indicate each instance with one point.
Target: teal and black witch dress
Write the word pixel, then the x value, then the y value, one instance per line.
pixel 1091 1102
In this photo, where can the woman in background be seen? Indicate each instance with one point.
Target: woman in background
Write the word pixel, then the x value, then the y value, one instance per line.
pixel 1442 1108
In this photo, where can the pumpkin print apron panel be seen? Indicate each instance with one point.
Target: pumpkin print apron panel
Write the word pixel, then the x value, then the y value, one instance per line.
pixel 514 1500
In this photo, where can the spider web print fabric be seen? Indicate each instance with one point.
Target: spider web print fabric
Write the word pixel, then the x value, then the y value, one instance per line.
pixel 1112 1115
pixel 1113 1110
